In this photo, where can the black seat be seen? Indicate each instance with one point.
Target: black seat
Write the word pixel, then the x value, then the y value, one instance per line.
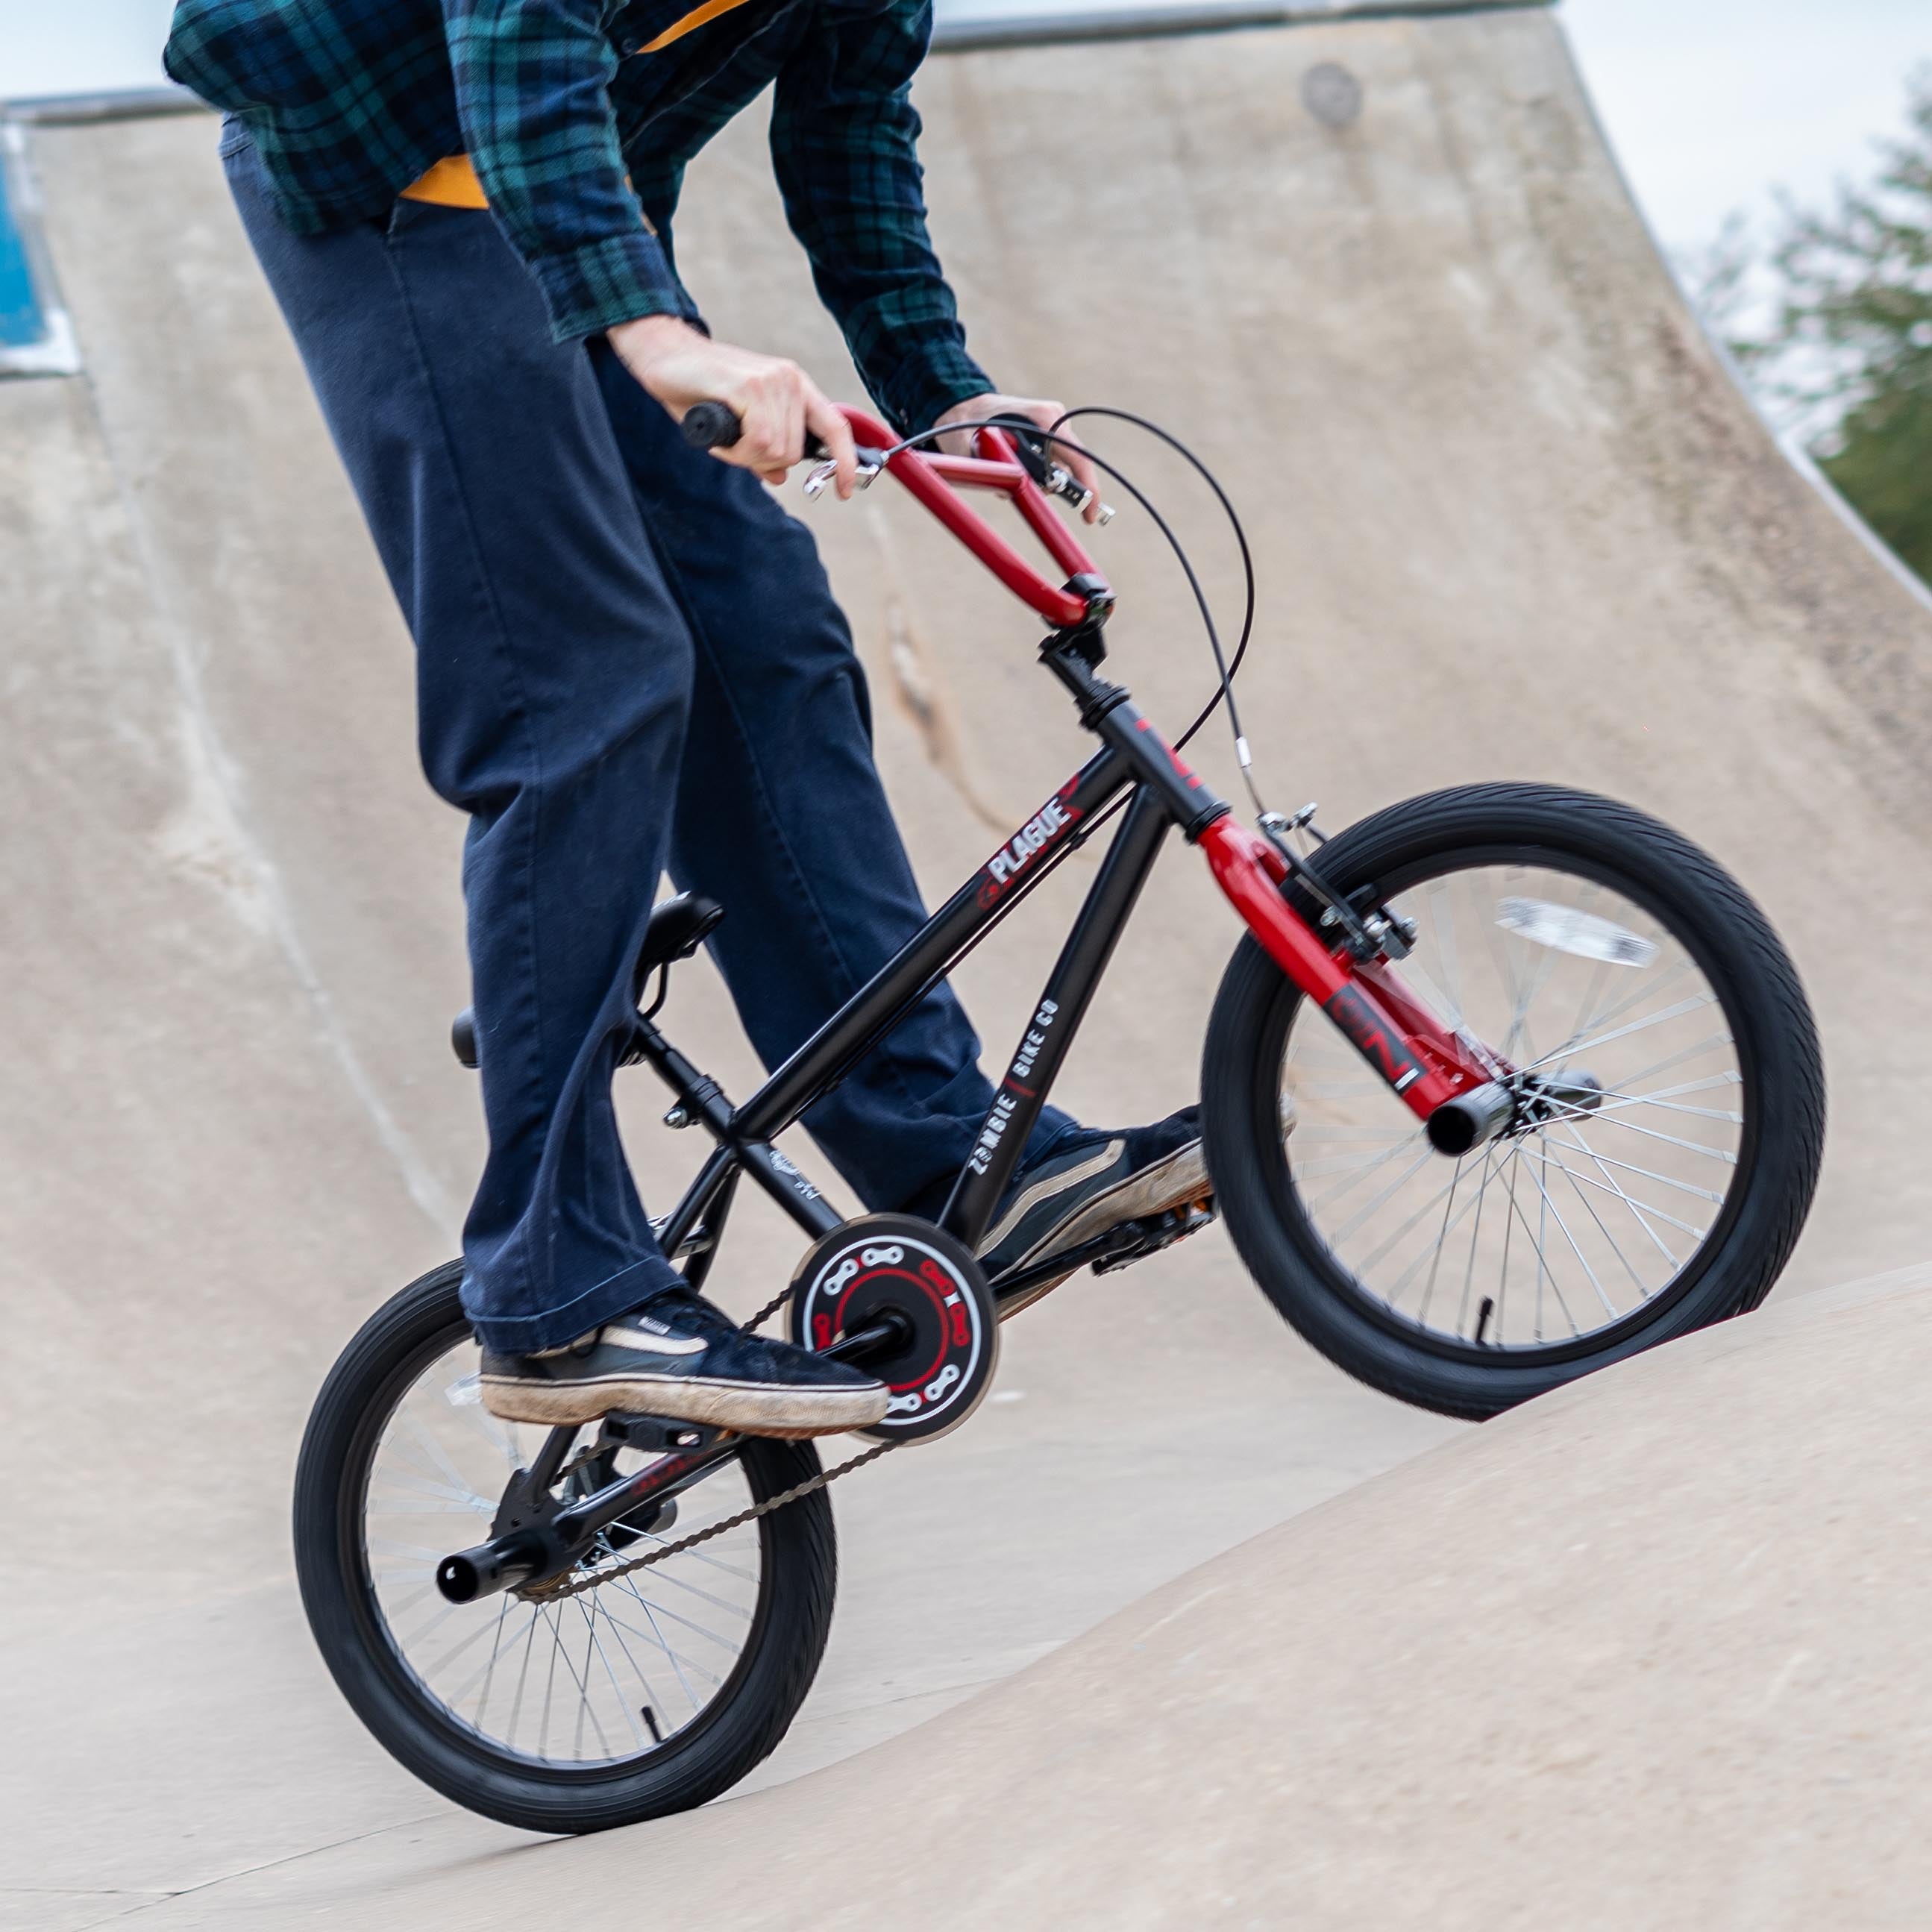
pixel 676 929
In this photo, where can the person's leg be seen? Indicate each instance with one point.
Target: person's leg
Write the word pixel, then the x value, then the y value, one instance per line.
pixel 554 672
pixel 781 817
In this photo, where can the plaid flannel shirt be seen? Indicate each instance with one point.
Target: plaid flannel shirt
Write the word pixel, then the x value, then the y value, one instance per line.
pixel 556 101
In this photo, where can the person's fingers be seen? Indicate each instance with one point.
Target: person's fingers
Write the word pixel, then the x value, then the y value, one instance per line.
pixel 770 404
pixel 826 422
pixel 1067 451
pixel 794 417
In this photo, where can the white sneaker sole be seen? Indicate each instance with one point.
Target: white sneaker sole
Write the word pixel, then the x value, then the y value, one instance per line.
pixel 747 1408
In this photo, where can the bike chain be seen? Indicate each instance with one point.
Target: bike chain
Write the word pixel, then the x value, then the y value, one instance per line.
pixel 595 1579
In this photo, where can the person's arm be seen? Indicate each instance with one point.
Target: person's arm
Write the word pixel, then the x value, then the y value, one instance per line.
pixel 845 145
pixel 532 94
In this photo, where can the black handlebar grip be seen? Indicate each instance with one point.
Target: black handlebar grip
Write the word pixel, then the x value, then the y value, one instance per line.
pixel 711 426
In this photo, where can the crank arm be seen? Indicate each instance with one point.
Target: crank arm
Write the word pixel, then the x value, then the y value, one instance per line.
pixel 527 1554
pixel 1130 1242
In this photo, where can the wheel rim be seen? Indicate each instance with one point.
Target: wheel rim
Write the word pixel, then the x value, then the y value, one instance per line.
pixel 1594 1210
pixel 585 1684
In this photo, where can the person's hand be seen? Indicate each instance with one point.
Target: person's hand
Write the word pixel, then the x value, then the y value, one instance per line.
pixel 774 400
pixel 1068 453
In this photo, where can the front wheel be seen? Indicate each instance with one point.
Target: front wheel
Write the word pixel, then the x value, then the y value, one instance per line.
pixel 1669 1121
pixel 647 1694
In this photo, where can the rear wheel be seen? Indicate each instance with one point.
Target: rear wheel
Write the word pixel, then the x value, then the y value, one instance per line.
pixel 1669 1120
pixel 647 1694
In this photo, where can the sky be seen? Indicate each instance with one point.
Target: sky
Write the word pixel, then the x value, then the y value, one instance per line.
pixel 1710 104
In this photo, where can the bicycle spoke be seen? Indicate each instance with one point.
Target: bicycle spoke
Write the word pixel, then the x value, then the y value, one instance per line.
pixel 1534 983
pixel 617 1629
pixel 1583 1259
pixel 1664 1097
pixel 677 1617
pixel 1581 1245
pixel 411 1485
pixel 487 1667
pixel 590 1614
pixel 1536 1328
pixel 442 1462
pixel 1426 1208
pixel 1442 1235
pixel 1642 1210
pixel 534 1679
pixel 1475 1236
pixel 1334 1194
pixel 1610 1185
pixel 522 1674
pixel 669 1576
pixel 1414 1167
pixel 1677 1011
pixel 677 1662
pixel 1510 1216
pixel 1648 1173
pixel 1445 944
pixel 1648 991
pixel 1475 1206
pixel 1574 1112
pixel 1637 1280
pixel 677 1658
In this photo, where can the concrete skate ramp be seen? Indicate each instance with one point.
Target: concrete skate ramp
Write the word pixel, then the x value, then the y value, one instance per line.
pixel 1511 518
pixel 1646 1653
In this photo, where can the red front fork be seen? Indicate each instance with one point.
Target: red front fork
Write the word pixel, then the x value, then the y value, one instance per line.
pixel 1392 1031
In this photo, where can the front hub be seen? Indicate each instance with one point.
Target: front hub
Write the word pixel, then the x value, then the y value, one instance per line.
pixel 1544 1100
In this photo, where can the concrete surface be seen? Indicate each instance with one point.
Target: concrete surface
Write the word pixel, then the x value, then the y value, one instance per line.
pixel 1512 520
pixel 1647 1653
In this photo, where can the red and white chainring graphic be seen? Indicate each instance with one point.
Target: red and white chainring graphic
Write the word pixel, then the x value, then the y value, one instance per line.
pixel 893 1265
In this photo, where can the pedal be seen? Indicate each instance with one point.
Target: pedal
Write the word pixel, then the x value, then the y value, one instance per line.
pixel 1158 1232
pixel 656 1436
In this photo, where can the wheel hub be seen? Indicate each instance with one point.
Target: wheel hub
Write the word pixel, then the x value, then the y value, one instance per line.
pixel 1542 1099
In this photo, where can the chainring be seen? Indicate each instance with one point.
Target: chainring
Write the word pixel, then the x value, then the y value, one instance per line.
pixel 886 1265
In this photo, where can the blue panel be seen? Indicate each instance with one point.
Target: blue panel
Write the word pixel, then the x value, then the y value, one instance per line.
pixel 22 324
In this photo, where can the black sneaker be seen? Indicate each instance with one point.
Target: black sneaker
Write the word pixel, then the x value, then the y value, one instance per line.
pixel 1080 1190
pixel 677 1357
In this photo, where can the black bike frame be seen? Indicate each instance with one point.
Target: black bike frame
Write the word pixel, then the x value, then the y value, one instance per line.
pixel 1161 792
pixel 1430 1067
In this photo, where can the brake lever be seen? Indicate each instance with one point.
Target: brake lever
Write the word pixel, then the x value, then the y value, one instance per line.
pixel 1034 449
pixel 822 476
pixel 1061 482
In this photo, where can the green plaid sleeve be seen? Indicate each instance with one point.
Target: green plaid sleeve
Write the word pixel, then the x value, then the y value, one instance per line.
pixel 844 142
pixel 532 94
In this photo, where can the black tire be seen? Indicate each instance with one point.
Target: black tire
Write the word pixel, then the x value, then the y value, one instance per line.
pixel 1780 1080
pixel 744 1719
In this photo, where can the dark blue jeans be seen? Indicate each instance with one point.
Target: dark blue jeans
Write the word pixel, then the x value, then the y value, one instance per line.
pixel 629 660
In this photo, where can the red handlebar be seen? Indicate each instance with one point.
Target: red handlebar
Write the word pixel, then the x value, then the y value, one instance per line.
pixel 937 480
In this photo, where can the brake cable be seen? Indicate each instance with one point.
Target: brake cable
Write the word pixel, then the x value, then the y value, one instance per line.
pixel 1225 669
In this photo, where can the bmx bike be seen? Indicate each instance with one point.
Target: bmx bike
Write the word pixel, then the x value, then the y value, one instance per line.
pixel 1502 1084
